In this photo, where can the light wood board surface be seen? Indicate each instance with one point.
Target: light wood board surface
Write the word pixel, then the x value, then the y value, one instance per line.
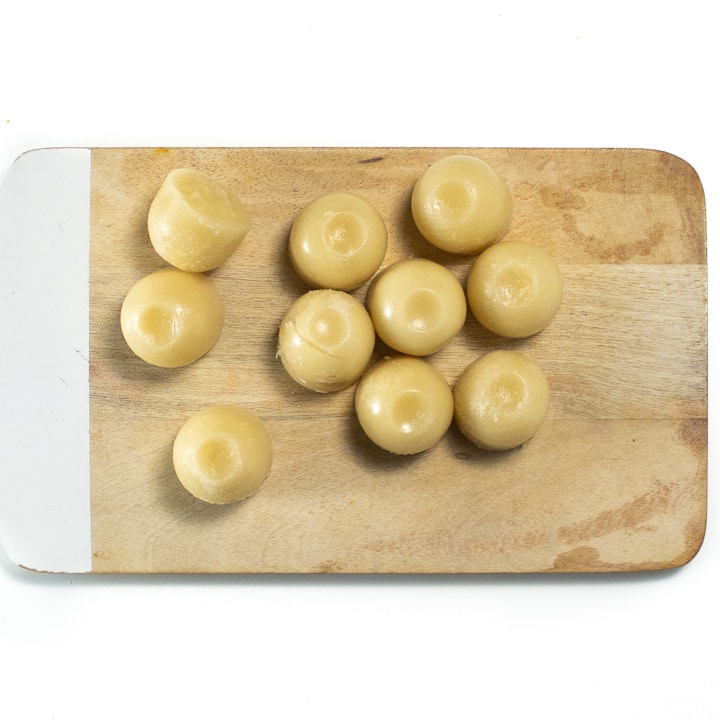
pixel 616 479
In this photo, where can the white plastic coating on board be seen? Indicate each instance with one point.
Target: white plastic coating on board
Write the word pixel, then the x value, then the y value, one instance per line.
pixel 44 361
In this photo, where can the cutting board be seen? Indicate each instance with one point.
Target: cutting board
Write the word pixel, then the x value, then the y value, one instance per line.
pixel 616 479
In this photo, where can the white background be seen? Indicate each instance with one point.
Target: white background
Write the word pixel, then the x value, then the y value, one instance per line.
pixel 623 74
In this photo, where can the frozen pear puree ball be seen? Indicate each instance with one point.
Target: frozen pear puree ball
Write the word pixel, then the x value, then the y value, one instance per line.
pixel 338 241
pixel 326 340
pixel 514 289
pixel 501 400
pixel 195 222
pixel 417 306
pixel 222 454
pixel 461 205
pixel 171 317
pixel 403 404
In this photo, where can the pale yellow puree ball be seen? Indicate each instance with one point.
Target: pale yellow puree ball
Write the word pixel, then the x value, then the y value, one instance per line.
pixel 170 317
pixel 501 400
pixel 514 289
pixel 404 404
pixel 326 340
pixel 338 241
pixel 222 454
pixel 461 205
pixel 416 306
pixel 196 223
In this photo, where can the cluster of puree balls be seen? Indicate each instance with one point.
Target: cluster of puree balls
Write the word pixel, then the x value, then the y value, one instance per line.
pixel 415 306
pixel 173 316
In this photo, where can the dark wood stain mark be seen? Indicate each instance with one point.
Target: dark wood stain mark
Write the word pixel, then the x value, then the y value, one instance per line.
pixel 556 196
pixel 368 161
pixel 580 559
pixel 629 516
pixel 586 559
pixel 642 247
pixel 693 433
pixel 330 567
pixel 694 537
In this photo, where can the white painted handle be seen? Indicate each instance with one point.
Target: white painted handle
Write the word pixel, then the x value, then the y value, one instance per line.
pixel 44 361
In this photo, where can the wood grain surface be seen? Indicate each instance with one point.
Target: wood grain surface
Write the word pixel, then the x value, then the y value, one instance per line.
pixel 616 480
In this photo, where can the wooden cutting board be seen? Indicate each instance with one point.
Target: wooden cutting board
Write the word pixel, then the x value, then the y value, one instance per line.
pixel 616 480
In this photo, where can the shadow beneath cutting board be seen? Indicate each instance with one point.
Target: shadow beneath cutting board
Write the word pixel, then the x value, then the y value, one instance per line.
pixel 177 497
pixel 360 580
